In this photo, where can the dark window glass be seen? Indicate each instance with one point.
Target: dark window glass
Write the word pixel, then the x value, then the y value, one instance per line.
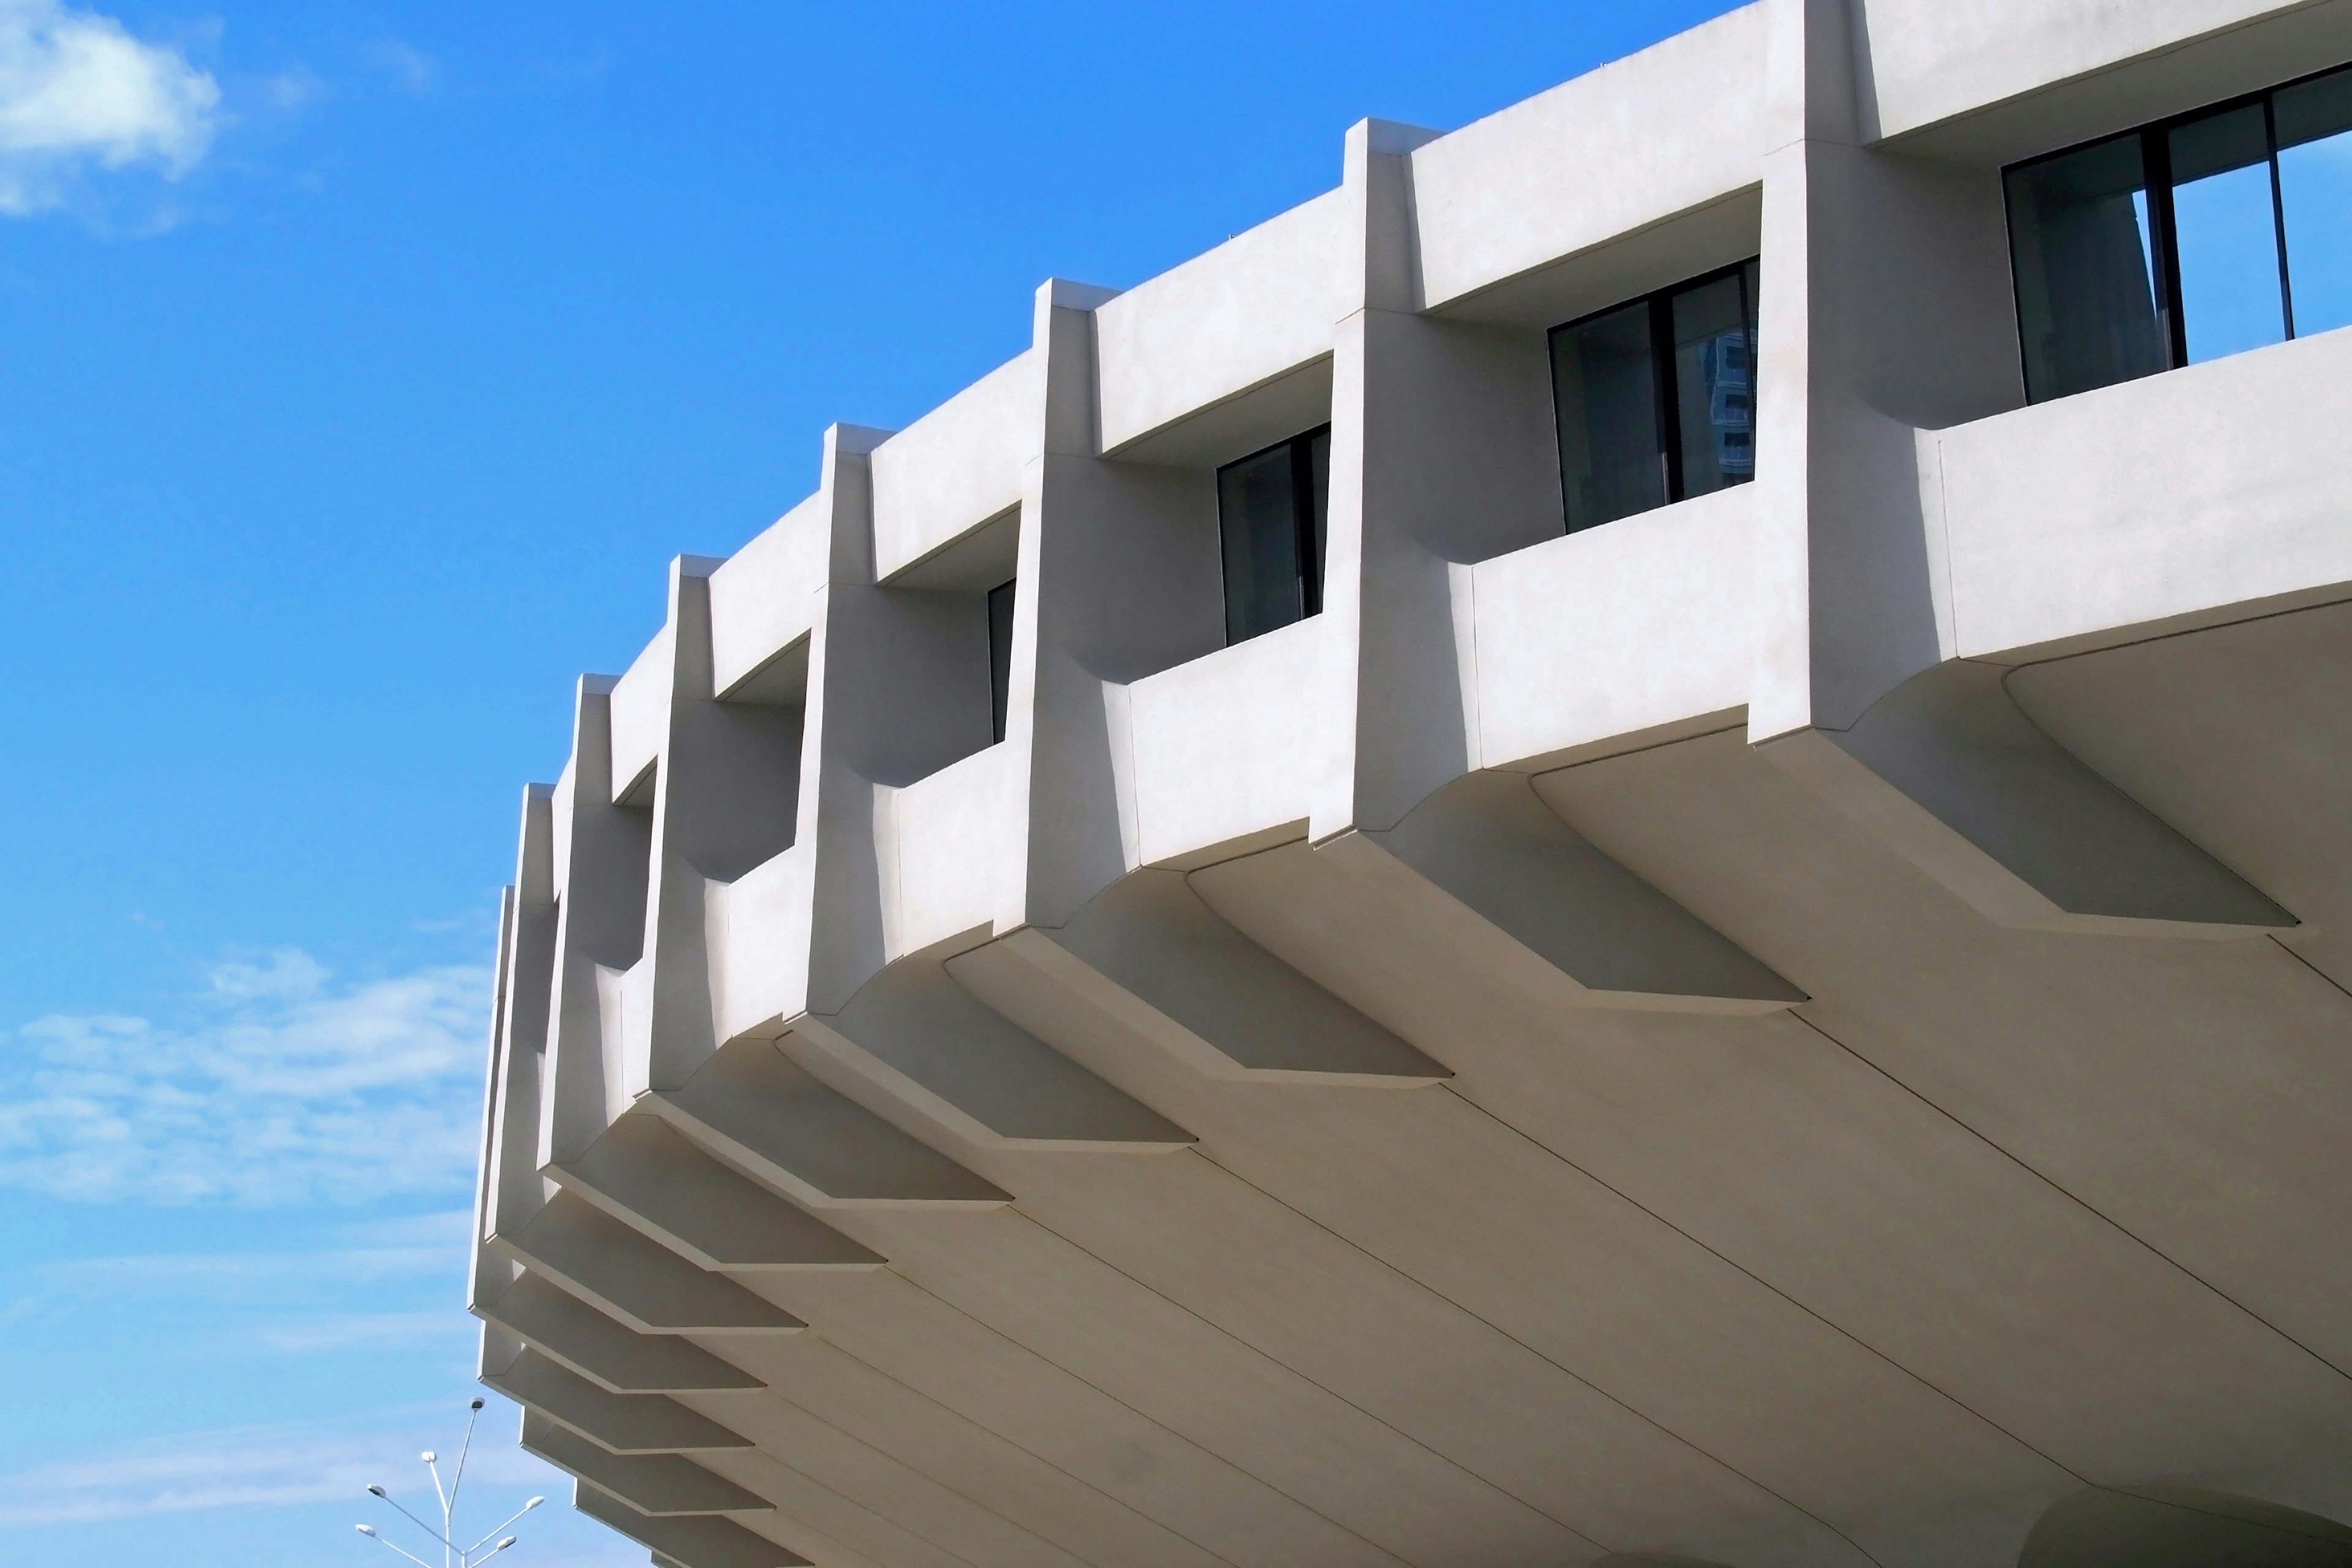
pixel 2086 285
pixel 1657 400
pixel 999 651
pixel 2208 235
pixel 1272 508
pixel 2315 168
pixel 2227 234
pixel 1613 454
pixel 1715 356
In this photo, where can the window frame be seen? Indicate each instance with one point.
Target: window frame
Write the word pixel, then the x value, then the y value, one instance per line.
pixel 1658 305
pixel 2155 169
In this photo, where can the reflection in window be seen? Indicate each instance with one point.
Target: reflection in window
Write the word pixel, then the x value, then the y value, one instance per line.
pixel 1656 399
pixel 2209 234
pixel 1271 509
pixel 1714 333
pixel 2315 168
pixel 2086 287
pixel 2226 234
pixel 1606 390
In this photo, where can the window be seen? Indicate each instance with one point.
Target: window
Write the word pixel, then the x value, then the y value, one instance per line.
pixel 2208 235
pixel 1656 399
pixel 1270 508
pixel 999 651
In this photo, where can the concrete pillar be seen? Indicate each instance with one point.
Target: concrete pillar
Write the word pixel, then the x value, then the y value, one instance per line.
pixel 1884 312
pixel 1886 316
pixel 600 934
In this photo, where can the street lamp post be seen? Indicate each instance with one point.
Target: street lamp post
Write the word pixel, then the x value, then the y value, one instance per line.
pixel 452 1555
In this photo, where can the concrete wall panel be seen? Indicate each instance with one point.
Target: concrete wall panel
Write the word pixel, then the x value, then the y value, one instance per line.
pixel 1677 127
pixel 1257 306
pixel 2181 495
pixel 955 468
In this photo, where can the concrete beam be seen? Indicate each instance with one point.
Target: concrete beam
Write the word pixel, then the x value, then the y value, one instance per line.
pixel 765 1114
pixel 921 1037
pixel 644 1173
pixel 660 1485
pixel 1488 858
pixel 1149 951
pixel 621 1423
pixel 694 1543
pixel 570 1331
pixel 1950 772
pixel 637 1279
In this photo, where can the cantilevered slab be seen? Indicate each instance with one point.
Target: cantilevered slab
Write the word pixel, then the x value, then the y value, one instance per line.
pixel 1486 848
pixel 622 1422
pixel 646 1174
pixel 1949 773
pixel 766 1115
pixel 567 1330
pixel 1149 951
pixel 661 1485
pixel 637 1279
pixel 2181 1527
pixel 918 1034
pixel 695 1543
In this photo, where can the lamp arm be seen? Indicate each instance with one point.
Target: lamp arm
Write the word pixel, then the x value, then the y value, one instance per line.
pixel 412 1556
pixel 419 1523
pixel 501 1525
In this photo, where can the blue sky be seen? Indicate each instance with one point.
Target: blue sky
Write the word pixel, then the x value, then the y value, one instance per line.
pixel 359 369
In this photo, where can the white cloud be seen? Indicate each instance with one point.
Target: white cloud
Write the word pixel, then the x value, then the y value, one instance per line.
pixel 77 89
pixel 408 67
pixel 285 1086
pixel 391 1284
pixel 282 1465
pixel 369 1329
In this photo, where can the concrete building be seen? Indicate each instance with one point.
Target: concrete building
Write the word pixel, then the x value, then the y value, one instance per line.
pixel 1301 931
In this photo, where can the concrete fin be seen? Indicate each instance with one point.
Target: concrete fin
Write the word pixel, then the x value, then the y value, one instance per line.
pixel 917 1034
pixel 2175 1527
pixel 1949 773
pixel 660 1485
pixel 636 1279
pixel 767 1115
pixel 1151 954
pixel 696 1542
pixel 1489 843
pixel 624 1423
pixel 570 1331
pixel 646 1174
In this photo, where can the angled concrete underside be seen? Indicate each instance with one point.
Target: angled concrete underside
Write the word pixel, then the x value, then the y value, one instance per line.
pixel 1807 1026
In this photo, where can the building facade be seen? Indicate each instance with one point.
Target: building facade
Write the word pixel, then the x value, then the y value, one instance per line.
pixel 1633 840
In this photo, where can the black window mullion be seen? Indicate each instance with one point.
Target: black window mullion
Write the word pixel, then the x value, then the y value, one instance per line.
pixel 1662 362
pixel 2278 215
pixel 2156 163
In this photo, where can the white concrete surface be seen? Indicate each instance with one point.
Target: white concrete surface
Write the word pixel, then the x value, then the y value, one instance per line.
pixel 1801 1027
pixel 1259 305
